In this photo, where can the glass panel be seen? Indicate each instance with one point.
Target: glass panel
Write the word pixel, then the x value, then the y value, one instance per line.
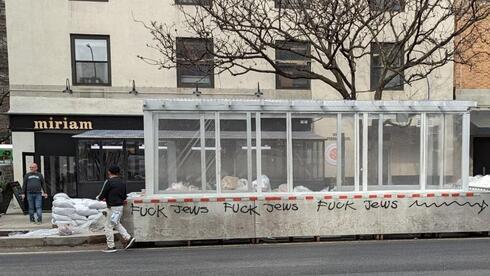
pixel 112 154
pixel 452 150
pixel 92 73
pixel 181 158
pixel 434 150
pixel 347 153
pixel 235 176
pixel 91 49
pixel 314 152
pixel 136 161
pixel 273 145
pixel 89 165
pixel 59 173
pixel 401 153
pixel 373 150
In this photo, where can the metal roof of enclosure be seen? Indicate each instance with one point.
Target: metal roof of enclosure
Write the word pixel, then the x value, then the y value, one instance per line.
pixel 305 105
pixel 204 146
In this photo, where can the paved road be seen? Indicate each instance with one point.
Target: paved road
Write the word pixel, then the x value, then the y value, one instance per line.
pixel 406 257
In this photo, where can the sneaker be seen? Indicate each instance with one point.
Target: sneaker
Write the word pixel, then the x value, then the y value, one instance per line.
pixel 129 243
pixel 39 222
pixel 110 250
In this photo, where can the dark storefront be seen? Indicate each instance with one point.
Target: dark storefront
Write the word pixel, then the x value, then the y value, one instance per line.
pixel 77 166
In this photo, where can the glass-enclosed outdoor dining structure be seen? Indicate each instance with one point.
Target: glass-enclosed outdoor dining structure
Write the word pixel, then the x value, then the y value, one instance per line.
pixel 214 146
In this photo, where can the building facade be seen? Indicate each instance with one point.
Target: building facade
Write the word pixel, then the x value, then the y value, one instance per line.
pixel 473 83
pixel 74 67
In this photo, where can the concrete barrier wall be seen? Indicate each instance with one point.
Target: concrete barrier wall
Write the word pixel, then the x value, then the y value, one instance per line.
pixel 162 218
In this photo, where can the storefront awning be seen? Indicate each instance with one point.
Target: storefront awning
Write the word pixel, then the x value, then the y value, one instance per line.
pixel 181 134
pixel 111 134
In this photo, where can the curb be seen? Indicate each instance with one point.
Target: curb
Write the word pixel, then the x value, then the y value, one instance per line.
pixel 74 240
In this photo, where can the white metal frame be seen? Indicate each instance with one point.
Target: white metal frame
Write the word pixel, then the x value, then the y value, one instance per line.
pixel 156 109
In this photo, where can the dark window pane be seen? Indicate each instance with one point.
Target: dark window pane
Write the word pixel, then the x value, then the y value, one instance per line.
pixel 292 57
pixel 192 2
pixel 89 164
pixel 195 62
pixel 136 161
pixel 378 51
pixel 92 73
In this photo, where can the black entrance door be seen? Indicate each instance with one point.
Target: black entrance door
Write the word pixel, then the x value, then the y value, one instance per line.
pixel 481 155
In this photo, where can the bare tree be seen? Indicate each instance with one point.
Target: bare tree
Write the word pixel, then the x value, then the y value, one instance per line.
pixel 406 39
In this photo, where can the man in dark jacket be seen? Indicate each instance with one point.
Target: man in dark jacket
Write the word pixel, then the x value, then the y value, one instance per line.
pixel 114 193
pixel 33 188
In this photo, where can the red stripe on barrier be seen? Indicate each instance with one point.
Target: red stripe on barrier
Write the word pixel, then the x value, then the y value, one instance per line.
pixel 273 198
pixel 171 200
pixel 469 194
pixel 253 198
pixel 292 198
pixel 400 196
pixel 357 196
pixel 445 194
pixel 431 195
pixel 309 197
pixel 343 197
pixel 155 201
pixel 328 197
pixel 137 201
pixel 455 194
pixel 387 196
pixel 220 199
pixel 415 195
pixel 237 199
pixel 373 196
pixel 188 200
pixel 204 199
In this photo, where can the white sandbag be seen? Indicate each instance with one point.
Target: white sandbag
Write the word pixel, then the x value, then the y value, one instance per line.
pixel 60 196
pixel 65 230
pixel 97 205
pixel 95 217
pixel 86 212
pixel 63 211
pixel 76 216
pixel 37 233
pixel 301 189
pixel 63 203
pixel 80 222
pixel 59 218
pixel 265 187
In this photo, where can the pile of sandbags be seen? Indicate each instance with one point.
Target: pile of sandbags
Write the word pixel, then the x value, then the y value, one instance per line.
pixel 77 211
pixel 232 183
pixel 265 186
pixel 182 187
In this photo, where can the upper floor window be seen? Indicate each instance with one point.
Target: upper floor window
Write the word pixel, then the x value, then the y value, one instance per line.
pixel 292 57
pixel 193 2
pixel 387 5
pixel 195 63
pixel 91 60
pixel 378 65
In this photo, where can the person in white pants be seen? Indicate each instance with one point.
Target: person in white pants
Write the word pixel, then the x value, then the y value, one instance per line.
pixel 114 193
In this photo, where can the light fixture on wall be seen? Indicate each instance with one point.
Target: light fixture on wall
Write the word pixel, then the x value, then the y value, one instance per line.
pixel 196 92
pixel 67 87
pixel 258 93
pixel 133 90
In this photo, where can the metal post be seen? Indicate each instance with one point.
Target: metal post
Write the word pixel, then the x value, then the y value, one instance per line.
pixel 202 128
pixel 151 152
pixel 465 166
pixel 365 126
pixel 217 143
pixel 258 153
pixel 289 152
pixel 380 149
pixel 249 151
pixel 356 152
pixel 339 151
pixel 423 151
pixel 442 151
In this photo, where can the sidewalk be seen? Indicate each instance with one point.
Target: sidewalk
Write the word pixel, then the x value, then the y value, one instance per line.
pixel 20 223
